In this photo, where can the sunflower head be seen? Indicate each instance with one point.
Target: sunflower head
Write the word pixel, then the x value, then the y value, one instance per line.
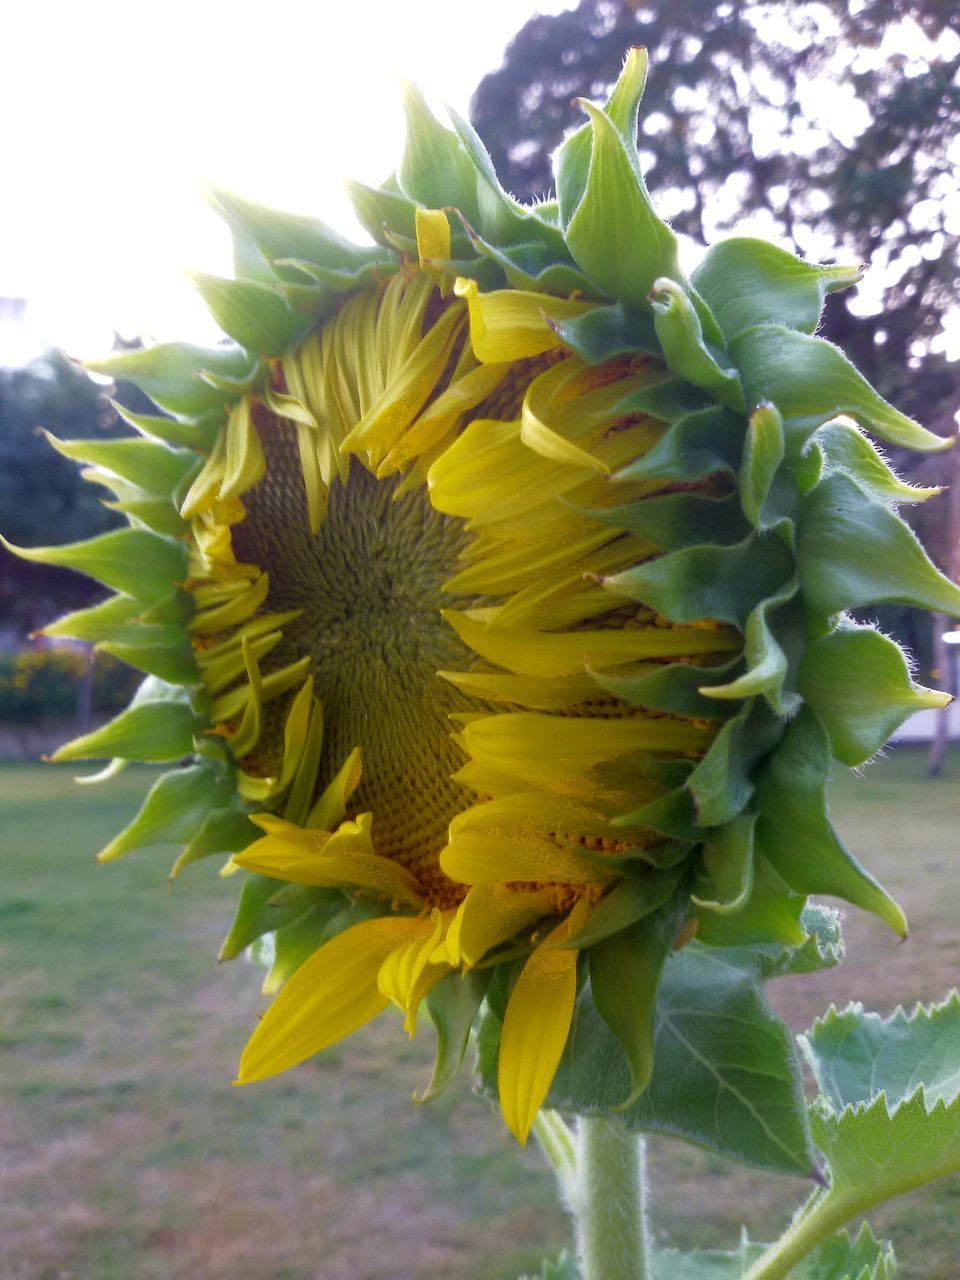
pixel 490 588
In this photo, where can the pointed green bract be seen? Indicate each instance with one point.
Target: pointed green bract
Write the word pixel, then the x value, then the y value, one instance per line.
pixel 625 971
pixel 748 282
pixel 724 584
pixel 795 831
pixel 712 1023
pixel 685 350
pixel 614 233
pixel 251 313
pixel 132 561
pixel 810 381
pixel 149 466
pixel 159 725
pixel 453 1007
pixel 175 805
pixel 858 683
pixel 171 374
pixel 854 551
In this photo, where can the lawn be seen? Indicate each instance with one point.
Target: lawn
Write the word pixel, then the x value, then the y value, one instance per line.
pixel 126 1154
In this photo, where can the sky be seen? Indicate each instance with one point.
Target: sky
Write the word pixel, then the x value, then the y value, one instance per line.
pixel 115 116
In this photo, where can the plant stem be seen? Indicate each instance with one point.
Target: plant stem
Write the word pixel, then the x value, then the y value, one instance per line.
pixel 557 1144
pixel 823 1214
pixel 608 1204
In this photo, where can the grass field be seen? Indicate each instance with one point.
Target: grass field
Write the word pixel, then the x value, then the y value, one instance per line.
pixel 126 1155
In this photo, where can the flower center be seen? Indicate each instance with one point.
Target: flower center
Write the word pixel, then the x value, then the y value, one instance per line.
pixel 369 587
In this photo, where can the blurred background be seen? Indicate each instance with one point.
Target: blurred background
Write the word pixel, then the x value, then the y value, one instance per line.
pixel 828 127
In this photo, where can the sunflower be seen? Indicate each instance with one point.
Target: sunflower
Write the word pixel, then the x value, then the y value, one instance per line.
pixel 492 583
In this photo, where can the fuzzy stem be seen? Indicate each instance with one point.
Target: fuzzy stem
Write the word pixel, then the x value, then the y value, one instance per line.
pixel 608 1205
pixel 557 1144
pixel 824 1213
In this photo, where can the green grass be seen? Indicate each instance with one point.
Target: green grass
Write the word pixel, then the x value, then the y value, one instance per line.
pixel 126 1153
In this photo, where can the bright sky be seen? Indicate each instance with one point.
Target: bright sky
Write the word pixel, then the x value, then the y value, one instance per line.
pixel 116 114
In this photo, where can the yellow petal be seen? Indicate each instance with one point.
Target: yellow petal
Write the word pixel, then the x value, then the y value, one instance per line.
pixel 245 463
pixel 329 997
pixel 536 1026
pixel 332 805
pixel 340 859
pixel 234 611
pixel 547 748
pixel 571 653
pixel 513 324
pixel 433 235
pixel 478 857
pixel 489 915
pixel 407 974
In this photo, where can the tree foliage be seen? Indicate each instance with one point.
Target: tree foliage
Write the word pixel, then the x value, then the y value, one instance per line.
pixel 829 124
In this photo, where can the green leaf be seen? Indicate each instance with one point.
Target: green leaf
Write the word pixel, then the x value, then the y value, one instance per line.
pixel 853 551
pixel 698 444
pixel 170 373
pixel 531 266
pixel 727 866
pixel 571 163
pixel 453 1005
pixel 685 350
pixel 625 971
pixel 501 219
pixel 171 659
pixel 614 233
pixel 159 725
pixel 176 805
pixel 704 1264
pixel 721 583
pixel 253 314
pixel 713 1027
pixel 160 515
pixel 888 1117
pixel 858 683
pixel 795 831
pixel 855 1055
pixel 133 561
pixel 113 618
pixel 748 282
pixel 226 830
pixel 810 381
pixel 565 1268
pixel 838 1258
pixel 637 896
